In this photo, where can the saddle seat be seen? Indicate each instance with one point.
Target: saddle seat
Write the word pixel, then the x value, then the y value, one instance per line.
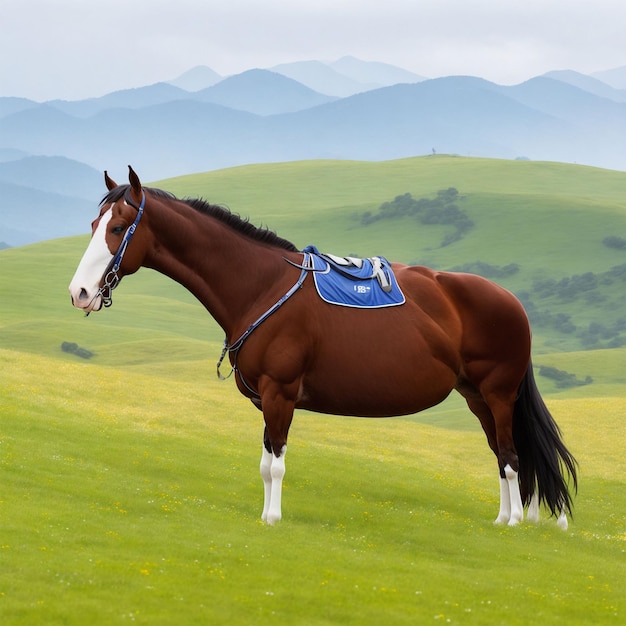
pixel 354 282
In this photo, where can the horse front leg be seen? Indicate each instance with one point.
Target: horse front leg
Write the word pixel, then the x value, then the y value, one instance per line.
pixel 277 413
pixel 272 473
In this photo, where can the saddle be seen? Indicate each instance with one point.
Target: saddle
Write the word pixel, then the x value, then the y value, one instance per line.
pixel 354 282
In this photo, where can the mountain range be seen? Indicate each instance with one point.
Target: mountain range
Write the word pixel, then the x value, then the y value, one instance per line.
pixel 52 153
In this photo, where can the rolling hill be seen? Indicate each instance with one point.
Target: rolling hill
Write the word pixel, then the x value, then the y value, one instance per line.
pixel 547 223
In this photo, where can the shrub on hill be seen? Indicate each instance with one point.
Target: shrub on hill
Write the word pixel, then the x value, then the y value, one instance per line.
pixel 74 348
pixel 562 378
pixel 614 241
pixel 487 270
pixel 439 210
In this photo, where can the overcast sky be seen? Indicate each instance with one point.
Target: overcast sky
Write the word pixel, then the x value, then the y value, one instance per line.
pixel 74 49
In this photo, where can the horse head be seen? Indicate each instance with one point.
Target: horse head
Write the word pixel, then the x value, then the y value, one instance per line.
pixel 117 245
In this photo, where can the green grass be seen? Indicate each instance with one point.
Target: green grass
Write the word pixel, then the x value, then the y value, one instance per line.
pixel 134 496
pixel 130 483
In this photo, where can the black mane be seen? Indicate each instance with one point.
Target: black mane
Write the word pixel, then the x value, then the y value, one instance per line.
pixel 234 221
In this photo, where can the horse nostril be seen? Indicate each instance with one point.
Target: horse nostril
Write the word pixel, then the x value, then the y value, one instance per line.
pixel 83 294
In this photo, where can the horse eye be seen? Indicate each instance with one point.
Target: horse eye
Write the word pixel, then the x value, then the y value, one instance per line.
pixel 117 230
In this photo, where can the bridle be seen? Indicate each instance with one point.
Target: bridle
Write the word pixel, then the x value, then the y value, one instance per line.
pixel 111 277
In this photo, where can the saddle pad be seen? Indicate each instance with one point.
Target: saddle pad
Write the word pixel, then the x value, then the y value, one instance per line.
pixel 360 289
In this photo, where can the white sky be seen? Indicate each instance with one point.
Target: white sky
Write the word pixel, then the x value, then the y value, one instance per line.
pixel 74 49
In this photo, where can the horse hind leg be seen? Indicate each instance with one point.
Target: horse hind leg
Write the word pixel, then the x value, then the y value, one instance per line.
pixel 511 509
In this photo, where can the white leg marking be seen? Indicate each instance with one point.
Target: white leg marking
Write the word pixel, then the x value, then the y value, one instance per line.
pixel 266 464
pixel 562 521
pixel 86 280
pixel 533 508
pixel 272 472
pixel 505 503
pixel 517 509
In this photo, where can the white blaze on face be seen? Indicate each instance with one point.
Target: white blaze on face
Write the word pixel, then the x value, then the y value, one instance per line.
pixel 86 282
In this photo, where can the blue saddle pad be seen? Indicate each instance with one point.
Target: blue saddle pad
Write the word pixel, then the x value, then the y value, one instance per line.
pixel 354 286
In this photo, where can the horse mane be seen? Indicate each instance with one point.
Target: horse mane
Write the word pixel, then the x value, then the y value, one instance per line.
pixel 223 214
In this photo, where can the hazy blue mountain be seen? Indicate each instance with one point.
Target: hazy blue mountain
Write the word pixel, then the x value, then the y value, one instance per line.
pixel 197 78
pixel 53 174
pixel 615 77
pixel 588 83
pixel 461 115
pixel 564 100
pixel 346 76
pixel 374 73
pixel 540 119
pixel 11 154
pixel 28 215
pixel 9 106
pixel 171 138
pixel 321 78
pixel 46 197
pixel 44 130
pixel 127 99
pixel 262 92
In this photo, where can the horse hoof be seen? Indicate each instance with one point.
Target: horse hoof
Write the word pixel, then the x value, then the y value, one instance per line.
pixel 272 518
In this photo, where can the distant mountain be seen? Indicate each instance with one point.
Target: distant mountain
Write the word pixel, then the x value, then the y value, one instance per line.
pixel 53 174
pixel 197 78
pixel 125 99
pixel 540 119
pixel 262 92
pixel 588 83
pixel 346 76
pixel 11 154
pixel 321 78
pixel 9 105
pixel 46 197
pixel 615 77
pixel 462 115
pixel 373 73
pixel 28 215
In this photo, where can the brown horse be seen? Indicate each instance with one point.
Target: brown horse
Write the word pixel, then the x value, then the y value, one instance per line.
pixel 290 349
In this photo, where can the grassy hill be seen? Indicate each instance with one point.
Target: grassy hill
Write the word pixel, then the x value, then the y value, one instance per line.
pixel 548 218
pixel 130 479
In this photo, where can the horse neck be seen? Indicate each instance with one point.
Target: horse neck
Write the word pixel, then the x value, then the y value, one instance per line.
pixel 235 277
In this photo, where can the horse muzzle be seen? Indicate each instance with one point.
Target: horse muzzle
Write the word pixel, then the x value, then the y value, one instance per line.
pixel 86 301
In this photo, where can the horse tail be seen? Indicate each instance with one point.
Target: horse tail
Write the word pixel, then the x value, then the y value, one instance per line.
pixel 545 463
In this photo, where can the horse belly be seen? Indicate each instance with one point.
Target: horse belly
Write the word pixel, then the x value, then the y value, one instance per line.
pixel 378 371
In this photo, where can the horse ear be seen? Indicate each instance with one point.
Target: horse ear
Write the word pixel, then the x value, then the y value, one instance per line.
pixel 135 184
pixel 109 182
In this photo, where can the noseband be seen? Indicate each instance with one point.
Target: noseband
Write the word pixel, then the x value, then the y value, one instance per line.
pixel 111 277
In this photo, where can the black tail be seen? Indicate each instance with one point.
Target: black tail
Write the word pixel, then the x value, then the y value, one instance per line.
pixel 544 461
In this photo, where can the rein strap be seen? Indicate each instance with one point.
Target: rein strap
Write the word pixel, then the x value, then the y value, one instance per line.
pixel 306 267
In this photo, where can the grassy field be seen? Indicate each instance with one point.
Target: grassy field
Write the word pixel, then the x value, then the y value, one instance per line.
pixel 131 490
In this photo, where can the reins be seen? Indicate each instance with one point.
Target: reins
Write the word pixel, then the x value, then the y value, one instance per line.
pixel 234 347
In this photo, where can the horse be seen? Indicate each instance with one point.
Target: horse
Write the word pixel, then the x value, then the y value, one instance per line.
pixel 290 349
